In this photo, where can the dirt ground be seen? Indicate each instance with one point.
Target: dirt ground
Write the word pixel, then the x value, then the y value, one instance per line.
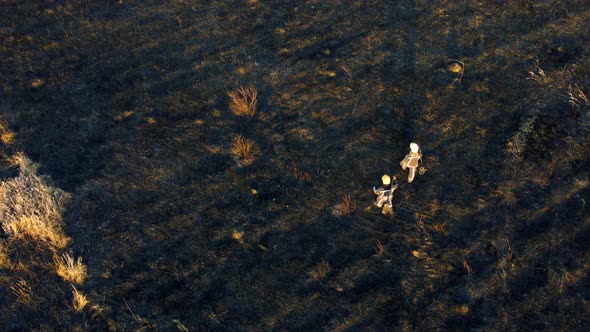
pixel 125 106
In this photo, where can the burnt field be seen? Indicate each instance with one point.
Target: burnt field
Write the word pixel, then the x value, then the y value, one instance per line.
pixel 209 165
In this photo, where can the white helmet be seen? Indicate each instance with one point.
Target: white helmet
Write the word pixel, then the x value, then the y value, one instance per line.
pixel 414 147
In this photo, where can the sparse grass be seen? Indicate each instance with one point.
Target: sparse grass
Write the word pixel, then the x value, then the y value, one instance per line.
pixel 243 101
pixel 243 149
pixel 31 208
pixel 4 258
pixel 23 292
pixel 69 270
pixel 300 174
pixel 79 300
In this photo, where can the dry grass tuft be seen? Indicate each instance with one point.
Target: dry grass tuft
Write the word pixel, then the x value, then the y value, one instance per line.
pixel 346 207
pixel 79 300
pixel 577 98
pixel 468 267
pixel 460 310
pixel 238 235
pixel 380 249
pixel 321 270
pixel 70 270
pixel 538 74
pixel 31 208
pixel 243 101
pixel 243 148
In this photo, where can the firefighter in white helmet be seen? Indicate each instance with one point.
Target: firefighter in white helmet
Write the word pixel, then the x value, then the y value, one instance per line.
pixel 411 161
pixel 385 194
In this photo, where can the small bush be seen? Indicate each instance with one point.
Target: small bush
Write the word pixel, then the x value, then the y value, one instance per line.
pixel 31 208
pixel 243 101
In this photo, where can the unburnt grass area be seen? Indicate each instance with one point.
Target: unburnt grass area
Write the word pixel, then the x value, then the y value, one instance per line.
pixel 219 158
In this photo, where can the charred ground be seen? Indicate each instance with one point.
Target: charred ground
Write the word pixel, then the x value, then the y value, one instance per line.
pixel 125 106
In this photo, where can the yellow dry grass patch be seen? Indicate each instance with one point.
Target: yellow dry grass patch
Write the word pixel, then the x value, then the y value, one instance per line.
pixel 32 209
pixel 69 270
pixel 36 229
pixel 8 137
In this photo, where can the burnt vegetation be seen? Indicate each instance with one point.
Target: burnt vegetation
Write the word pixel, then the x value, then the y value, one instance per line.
pixel 208 165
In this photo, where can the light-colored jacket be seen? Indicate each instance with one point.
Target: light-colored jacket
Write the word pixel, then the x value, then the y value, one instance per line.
pixel 411 160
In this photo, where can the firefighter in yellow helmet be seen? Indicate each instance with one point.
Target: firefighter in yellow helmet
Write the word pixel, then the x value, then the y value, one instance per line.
pixel 411 161
pixel 385 194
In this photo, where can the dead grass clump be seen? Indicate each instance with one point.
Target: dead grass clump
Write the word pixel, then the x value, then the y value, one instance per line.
pixel 467 267
pixel 537 74
pixel 243 149
pixel 346 207
pixel 79 300
pixel 460 310
pixel 577 98
pixel 321 270
pixel 70 270
pixel 6 135
pixel 243 101
pixel 379 249
pixel 31 208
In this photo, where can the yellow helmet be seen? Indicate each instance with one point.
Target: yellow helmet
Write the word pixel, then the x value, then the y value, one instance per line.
pixel 414 147
pixel 386 179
